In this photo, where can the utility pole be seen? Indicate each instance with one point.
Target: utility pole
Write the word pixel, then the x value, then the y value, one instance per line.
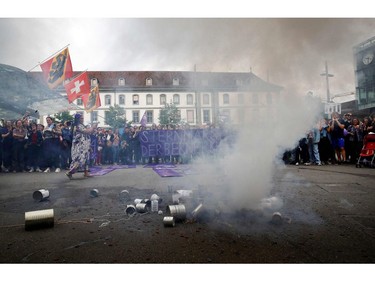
pixel 326 74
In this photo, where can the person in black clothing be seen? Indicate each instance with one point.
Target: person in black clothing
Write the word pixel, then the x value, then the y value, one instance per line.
pixel 34 143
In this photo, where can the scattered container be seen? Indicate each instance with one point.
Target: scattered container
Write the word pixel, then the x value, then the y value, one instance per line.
pixel 136 201
pixel 197 210
pixel 141 207
pixel 277 218
pixel 94 193
pixel 41 194
pixel 156 197
pixel 160 212
pixel 130 210
pixel 39 219
pixel 147 202
pixel 169 221
pixel 154 205
pixel 124 195
pixel 177 211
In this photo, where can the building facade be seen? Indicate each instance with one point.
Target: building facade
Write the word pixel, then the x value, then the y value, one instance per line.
pixel 201 97
pixel 365 75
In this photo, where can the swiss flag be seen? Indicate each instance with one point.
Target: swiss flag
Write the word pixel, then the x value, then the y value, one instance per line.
pixel 77 87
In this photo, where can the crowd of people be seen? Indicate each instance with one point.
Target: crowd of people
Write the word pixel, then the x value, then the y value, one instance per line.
pixel 335 141
pixel 30 147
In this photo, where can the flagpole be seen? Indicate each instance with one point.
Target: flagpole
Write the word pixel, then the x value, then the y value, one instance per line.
pixel 50 57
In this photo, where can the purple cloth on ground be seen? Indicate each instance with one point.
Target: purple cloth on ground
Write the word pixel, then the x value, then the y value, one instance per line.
pixel 164 172
pixel 158 166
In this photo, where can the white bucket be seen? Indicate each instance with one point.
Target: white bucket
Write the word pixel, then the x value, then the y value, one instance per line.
pixel 137 201
pixel 41 194
pixel 39 219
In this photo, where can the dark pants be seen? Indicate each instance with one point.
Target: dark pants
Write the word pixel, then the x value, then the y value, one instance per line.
pixel 18 155
pixel 33 159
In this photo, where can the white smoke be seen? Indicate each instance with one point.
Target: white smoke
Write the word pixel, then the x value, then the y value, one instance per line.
pixel 246 169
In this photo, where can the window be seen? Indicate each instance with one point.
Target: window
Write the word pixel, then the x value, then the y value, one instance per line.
pixel 149 99
pixel 163 99
pixel 79 101
pixel 190 116
pixel 255 99
pixel 241 99
pixel 206 99
pixel 136 116
pixel 176 99
pixel 121 99
pixel 189 99
pixel 176 81
pixel 206 116
pixel 107 100
pixel 135 99
pixel 121 82
pixel 94 82
pixel 148 82
pixel 94 116
pixel 225 99
pixel 269 98
pixel 150 116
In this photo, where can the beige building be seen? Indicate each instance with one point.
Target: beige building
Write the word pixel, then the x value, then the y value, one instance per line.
pixel 201 97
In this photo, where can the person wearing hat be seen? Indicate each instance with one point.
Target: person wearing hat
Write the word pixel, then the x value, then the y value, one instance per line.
pixel 80 147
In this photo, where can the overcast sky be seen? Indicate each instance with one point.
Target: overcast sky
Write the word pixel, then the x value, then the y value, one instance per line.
pixel 290 51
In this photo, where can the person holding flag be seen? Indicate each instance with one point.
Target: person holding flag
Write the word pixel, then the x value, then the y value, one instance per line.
pixel 80 147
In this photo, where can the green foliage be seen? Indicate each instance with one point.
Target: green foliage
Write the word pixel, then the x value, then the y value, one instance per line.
pixel 63 116
pixel 169 115
pixel 115 117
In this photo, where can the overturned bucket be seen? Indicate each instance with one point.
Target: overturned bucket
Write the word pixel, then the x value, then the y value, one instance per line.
pixel 130 210
pixel 177 211
pixel 169 221
pixel 277 218
pixel 41 194
pixel 39 219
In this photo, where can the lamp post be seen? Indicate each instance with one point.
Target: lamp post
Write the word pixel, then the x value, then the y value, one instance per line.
pixel 326 74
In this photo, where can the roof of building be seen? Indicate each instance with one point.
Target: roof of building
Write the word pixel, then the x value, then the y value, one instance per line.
pixel 187 80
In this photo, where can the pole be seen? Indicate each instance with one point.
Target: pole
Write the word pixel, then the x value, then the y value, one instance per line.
pixel 327 75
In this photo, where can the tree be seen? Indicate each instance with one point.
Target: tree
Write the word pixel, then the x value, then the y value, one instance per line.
pixel 63 116
pixel 169 115
pixel 115 117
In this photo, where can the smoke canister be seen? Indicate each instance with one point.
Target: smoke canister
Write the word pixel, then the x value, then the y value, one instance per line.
pixel 39 219
pixel 156 197
pixel 177 211
pixel 94 193
pixel 130 210
pixel 141 207
pixel 154 206
pixel 41 194
pixel 169 221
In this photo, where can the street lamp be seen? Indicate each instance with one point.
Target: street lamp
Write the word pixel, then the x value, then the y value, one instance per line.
pixel 326 74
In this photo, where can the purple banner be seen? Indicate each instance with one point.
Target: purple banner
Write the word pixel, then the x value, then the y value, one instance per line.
pixel 179 142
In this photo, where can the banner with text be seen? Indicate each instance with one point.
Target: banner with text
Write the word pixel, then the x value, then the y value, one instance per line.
pixel 179 142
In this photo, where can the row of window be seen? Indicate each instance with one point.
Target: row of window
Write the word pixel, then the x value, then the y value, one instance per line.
pixel 176 99
pixel 148 82
pixel 190 116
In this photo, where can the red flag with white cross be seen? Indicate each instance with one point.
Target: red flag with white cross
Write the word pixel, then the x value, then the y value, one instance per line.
pixel 77 87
